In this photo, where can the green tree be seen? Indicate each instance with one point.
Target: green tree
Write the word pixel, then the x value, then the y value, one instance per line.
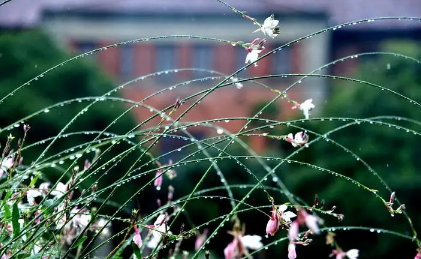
pixel 393 153
pixel 26 54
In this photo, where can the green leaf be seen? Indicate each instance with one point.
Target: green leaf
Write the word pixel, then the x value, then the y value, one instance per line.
pixel 7 212
pixel 37 256
pixel 15 220
pixel 79 242
pixel 34 181
pixel 48 206
pixel 136 251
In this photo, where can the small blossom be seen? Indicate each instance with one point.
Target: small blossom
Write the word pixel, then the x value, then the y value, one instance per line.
pixel 293 230
pixel 300 139
pixel 292 254
pixel 253 242
pixel 273 223
pixel 234 249
pixel 60 190
pixel 158 180
pixel 137 239
pixel 6 164
pixel 102 223
pixel 44 187
pixel 286 215
pixel 351 254
pixel 330 238
pixel 306 107
pixel 86 165
pixel 80 219
pixel 159 228
pixel 252 56
pixel 200 240
pixel 171 173
pixel 235 81
pixel 254 48
pixel 312 223
pixel 31 194
pixel 270 27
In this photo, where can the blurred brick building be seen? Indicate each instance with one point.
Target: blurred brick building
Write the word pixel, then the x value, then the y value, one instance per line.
pixel 84 25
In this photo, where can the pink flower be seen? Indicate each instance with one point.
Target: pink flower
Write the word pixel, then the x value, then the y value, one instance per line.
pixel 254 48
pixel 201 239
pixel 292 254
pixel 300 139
pixel 171 173
pixel 234 249
pixel 351 254
pixel 309 220
pixel 137 239
pixel 158 179
pixel 293 230
pixel 312 223
pixel 273 223
pixel 38 220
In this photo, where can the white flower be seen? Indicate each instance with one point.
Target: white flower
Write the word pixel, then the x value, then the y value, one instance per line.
pixel 44 187
pixel 292 254
pixel 352 254
pixel 306 107
pixel 80 219
pixel 252 241
pixel 286 215
pixel 270 27
pixel 60 190
pixel 6 164
pixel 102 223
pixel 36 249
pixel 160 228
pixel 235 81
pixel 31 194
pixel 153 242
pixel 252 56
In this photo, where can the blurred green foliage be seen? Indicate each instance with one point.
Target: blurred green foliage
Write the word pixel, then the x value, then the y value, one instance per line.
pixel 25 55
pixel 393 153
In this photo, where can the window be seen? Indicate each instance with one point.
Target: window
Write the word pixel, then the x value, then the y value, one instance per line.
pixel 126 66
pixel 165 60
pixel 85 46
pixel 281 61
pixel 203 58
pixel 241 58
